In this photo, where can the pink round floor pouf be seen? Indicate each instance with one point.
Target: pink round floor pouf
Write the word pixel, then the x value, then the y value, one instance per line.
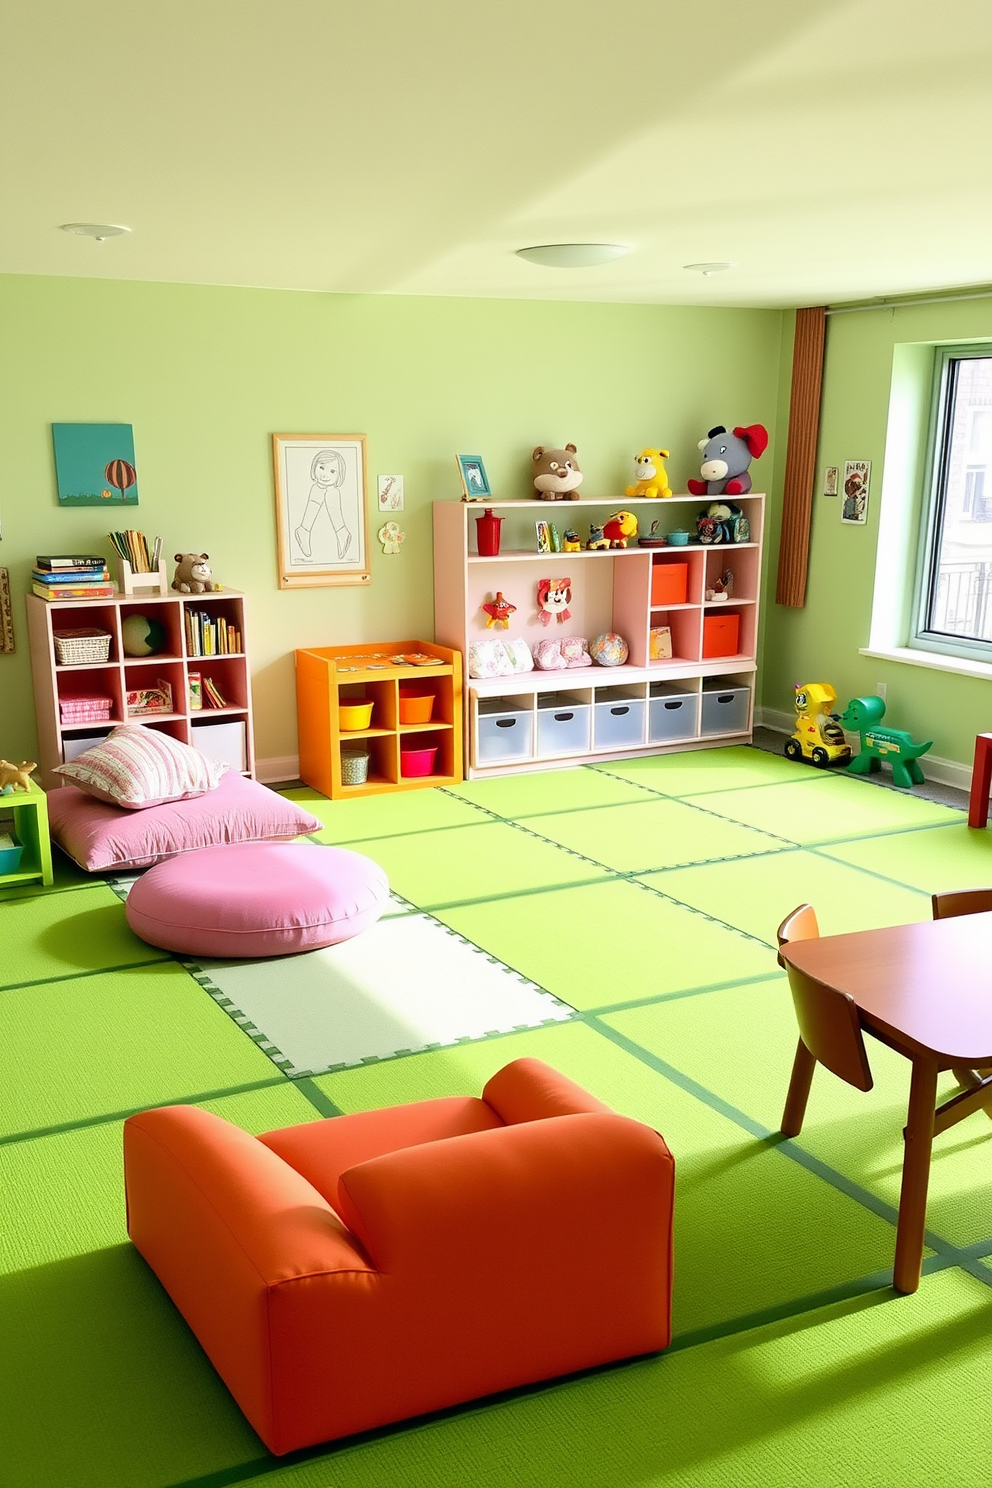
pixel 257 899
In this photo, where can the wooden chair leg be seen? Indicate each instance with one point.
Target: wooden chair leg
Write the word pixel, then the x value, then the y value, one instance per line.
pixel 981 782
pixel 795 1102
pixel 915 1176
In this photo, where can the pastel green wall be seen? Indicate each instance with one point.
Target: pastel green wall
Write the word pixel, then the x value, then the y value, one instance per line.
pixel 205 375
pixel 871 356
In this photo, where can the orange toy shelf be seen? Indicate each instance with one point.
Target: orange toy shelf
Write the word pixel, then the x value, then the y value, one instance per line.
pixel 329 678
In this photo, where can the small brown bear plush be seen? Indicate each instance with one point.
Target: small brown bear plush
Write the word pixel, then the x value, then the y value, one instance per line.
pixel 193 574
pixel 557 476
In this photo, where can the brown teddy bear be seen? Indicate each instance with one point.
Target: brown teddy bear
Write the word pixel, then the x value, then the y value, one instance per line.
pixel 557 476
pixel 193 574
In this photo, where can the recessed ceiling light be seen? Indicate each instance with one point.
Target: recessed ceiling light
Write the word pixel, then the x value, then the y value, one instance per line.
pixel 572 255
pixel 708 268
pixel 98 230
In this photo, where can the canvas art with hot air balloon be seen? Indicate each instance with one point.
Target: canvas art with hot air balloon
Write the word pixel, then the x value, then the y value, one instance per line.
pixel 94 464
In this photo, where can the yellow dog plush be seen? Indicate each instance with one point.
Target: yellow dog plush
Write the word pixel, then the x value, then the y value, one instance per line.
pixel 649 472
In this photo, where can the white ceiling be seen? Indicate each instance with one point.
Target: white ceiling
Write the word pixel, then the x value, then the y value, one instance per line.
pixel 832 149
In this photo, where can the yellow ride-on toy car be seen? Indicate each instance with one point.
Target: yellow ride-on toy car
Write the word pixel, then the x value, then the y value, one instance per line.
pixel 818 736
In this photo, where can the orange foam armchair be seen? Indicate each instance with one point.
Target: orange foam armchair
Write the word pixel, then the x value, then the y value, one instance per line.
pixel 364 1269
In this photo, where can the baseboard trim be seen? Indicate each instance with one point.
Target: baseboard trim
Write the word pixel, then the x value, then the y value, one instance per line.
pixel 941 771
pixel 277 769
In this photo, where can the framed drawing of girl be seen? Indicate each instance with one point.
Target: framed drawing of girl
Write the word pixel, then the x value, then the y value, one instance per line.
pixel 321 510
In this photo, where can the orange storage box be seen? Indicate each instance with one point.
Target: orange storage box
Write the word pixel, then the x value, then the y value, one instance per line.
pixel 721 634
pixel 669 583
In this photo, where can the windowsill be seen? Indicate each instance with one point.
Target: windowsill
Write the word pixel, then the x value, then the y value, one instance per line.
pixel 936 660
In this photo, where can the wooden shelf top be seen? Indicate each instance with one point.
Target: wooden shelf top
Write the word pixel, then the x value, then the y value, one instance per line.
pixel 527 503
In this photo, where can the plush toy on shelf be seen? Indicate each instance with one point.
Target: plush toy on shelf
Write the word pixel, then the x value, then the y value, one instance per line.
pixel 597 540
pixel 722 521
pixel 620 527
pixel 571 541
pixel 498 611
pixel 726 458
pixel 557 476
pixel 553 598
pixel 650 478
pixel 193 574
pixel 609 649
pixel 15 777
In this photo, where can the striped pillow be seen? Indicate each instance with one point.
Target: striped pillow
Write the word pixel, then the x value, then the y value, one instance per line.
pixel 138 767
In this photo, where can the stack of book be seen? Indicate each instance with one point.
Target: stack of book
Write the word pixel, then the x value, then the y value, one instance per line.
pixel 210 635
pixel 215 698
pixel 133 548
pixel 71 576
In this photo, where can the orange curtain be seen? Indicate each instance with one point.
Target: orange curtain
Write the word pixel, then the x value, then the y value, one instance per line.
pixel 800 458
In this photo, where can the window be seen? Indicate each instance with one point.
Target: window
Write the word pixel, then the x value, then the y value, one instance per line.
pixel 954 605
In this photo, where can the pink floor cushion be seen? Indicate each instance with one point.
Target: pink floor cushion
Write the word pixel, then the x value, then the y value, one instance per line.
pixel 257 899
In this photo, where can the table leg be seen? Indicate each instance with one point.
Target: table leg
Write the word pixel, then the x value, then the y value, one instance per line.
pixel 981 782
pixel 795 1102
pixel 915 1176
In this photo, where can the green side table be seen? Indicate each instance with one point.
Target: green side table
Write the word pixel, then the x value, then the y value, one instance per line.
pixel 30 811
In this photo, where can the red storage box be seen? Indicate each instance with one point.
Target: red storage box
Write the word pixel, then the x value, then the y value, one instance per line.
pixel 720 635
pixel 669 583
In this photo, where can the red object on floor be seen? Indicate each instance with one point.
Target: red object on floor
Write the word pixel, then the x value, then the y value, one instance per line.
pixel 981 782
pixel 351 1272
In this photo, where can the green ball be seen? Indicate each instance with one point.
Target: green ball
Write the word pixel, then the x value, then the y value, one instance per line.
pixel 142 636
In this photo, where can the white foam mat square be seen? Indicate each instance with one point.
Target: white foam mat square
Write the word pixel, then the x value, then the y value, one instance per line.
pixel 407 984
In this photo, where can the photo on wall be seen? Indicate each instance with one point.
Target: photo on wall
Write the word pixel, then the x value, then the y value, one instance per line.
pixel 321 509
pixel 94 464
pixel 857 479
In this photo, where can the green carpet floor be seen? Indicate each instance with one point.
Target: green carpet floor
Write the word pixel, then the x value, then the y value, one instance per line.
pixel 645 895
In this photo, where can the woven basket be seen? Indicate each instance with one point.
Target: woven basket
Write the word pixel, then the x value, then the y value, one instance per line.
pixel 354 766
pixel 76 647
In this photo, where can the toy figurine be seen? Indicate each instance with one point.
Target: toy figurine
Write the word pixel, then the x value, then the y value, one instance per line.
pixel 726 458
pixel 650 478
pixel 498 611
pixel 15 777
pixel 723 587
pixel 895 746
pixel 571 542
pixel 553 598
pixel 193 574
pixel 818 736
pixel 722 521
pixel 596 538
pixel 621 526
pixel 557 476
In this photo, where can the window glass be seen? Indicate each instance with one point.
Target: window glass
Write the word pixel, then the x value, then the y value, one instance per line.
pixel 957 569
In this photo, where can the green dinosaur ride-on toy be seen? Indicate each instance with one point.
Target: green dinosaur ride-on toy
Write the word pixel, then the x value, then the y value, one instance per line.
pixel 894 746
pixel 818 736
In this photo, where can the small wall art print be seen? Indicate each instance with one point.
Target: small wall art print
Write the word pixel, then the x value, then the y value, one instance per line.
pixel 94 464
pixel 831 480
pixel 390 492
pixel 857 479
pixel 322 526
pixel 6 614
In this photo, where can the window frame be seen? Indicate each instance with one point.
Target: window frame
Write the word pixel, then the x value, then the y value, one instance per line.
pixel 938 456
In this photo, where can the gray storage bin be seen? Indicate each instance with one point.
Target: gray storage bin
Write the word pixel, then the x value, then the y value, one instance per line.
pixel 563 725
pixel 618 723
pixel 725 710
pixel 672 714
pixel 505 730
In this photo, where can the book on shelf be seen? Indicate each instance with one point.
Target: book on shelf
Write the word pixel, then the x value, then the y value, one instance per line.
pixel 53 562
pixel 215 697
pixel 210 635
pixel 72 576
pixel 73 591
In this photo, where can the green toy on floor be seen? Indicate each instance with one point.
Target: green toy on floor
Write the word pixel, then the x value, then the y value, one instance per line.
pixel 894 746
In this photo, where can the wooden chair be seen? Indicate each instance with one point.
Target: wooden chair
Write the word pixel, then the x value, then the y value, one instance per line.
pixel 829 1028
pixel 945 907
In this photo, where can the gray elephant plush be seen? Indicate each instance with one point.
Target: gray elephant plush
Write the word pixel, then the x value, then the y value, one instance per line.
pixel 726 458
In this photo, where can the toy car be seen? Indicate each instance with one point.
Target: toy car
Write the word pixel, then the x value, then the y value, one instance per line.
pixel 818 736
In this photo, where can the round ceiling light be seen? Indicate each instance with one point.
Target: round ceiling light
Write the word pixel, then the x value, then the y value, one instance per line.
pixel 98 230
pixel 708 268
pixel 572 255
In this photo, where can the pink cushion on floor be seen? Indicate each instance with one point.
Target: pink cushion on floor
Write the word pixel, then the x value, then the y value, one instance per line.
pixel 257 899
pixel 98 836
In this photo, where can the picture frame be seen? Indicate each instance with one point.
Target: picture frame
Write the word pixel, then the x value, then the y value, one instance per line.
pixel 475 481
pixel 94 464
pixel 6 615
pixel 857 481
pixel 831 480
pixel 322 523
pixel 543 530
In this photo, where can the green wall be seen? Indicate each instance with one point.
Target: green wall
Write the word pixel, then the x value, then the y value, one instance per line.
pixel 875 401
pixel 205 375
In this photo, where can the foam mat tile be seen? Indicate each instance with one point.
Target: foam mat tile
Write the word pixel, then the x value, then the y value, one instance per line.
pixel 755 894
pixel 520 796
pixel 385 815
pixel 946 858
pixel 611 942
pixel 810 810
pixel 687 774
pixel 56 935
pixel 651 834
pixel 115 1042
